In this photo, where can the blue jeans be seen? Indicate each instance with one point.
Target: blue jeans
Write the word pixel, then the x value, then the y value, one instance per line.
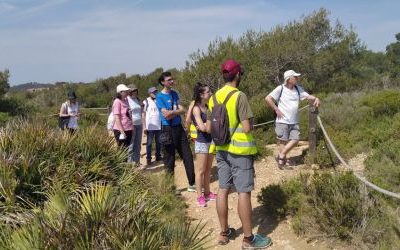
pixel 156 135
pixel 136 143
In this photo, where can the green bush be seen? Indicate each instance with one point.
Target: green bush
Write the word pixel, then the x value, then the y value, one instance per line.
pixel 383 103
pixel 283 199
pixel 4 118
pixel 382 166
pixel 76 191
pixel 335 205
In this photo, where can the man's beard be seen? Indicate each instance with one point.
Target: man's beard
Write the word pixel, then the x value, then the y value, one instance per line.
pixel 239 78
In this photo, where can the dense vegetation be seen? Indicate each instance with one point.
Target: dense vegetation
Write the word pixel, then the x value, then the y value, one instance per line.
pixel 361 100
pixel 75 192
pixel 334 206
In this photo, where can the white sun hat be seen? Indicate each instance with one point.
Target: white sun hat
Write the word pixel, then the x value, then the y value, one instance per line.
pixel 122 87
pixel 289 73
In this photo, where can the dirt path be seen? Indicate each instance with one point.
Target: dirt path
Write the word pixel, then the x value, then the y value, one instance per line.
pixel 267 173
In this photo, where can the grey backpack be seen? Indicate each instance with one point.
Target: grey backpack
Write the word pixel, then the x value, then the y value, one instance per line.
pixel 220 133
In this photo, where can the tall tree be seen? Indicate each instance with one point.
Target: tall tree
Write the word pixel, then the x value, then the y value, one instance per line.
pixel 393 53
pixel 4 85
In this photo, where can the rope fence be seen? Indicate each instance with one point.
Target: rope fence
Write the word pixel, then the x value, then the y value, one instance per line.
pixel 331 146
pixel 362 179
pixel 272 121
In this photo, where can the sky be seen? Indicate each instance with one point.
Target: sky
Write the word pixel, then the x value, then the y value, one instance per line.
pixel 83 40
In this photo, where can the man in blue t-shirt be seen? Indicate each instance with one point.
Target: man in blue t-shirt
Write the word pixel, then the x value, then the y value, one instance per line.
pixel 173 136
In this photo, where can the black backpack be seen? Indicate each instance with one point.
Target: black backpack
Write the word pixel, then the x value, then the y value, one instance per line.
pixel 279 97
pixel 220 133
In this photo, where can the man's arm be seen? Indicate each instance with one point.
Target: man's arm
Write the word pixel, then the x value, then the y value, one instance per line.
pixel 314 101
pixel 271 102
pixel 245 113
pixel 247 125
pixel 171 114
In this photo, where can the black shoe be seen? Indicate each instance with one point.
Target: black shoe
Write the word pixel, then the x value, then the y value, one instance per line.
pixel 148 161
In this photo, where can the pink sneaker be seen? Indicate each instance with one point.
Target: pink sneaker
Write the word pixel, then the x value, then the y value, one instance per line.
pixel 211 196
pixel 201 201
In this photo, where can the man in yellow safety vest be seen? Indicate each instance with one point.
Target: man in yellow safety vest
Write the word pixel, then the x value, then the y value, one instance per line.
pixel 235 159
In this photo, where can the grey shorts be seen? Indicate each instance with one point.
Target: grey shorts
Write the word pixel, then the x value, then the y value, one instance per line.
pixel 201 147
pixel 235 171
pixel 287 132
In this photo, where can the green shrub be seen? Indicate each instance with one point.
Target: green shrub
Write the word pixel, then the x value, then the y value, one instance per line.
pixel 383 103
pixel 4 118
pixel 61 191
pixel 283 199
pixel 382 166
pixel 333 204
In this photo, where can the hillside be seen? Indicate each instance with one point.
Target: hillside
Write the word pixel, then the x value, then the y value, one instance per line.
pixel 31 86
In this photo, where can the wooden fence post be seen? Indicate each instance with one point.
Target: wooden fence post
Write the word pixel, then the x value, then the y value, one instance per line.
pixel 312 132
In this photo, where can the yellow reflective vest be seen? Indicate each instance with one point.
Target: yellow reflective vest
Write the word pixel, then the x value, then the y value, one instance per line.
pixel 193 131
pixel 241 143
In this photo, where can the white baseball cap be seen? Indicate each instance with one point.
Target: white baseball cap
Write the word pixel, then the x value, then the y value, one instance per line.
pixel 289 73
pixel 122 87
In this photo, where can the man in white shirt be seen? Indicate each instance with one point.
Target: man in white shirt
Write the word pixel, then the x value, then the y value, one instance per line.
pixel 284 100
pixel 152 124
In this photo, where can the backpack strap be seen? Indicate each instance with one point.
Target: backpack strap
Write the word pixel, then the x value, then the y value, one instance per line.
pixel 215 101
pixel 225 102
pixel 280 93
pixel 229 96
pixel 298 91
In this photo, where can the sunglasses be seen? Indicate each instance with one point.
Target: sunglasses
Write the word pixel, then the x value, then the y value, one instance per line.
pixel 169 80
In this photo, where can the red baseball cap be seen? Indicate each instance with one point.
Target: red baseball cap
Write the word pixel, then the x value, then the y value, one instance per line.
pixel 231 67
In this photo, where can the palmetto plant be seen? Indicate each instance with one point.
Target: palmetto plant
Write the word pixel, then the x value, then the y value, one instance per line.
pixel 59 191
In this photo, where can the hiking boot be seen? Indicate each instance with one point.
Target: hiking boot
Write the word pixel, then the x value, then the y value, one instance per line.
pixel 211 196
pixel 148 162
pixel 258 242
pixel 224 237
pixel 191 188
pixel 159 159
pixel 201 201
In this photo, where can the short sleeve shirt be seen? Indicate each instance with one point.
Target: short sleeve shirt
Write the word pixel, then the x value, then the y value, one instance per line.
pixel 288 103
pixel 153 121
pixel 136 110
pixel 168 101
pixel 121 108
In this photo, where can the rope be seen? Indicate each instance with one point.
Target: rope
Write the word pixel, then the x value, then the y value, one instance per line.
pixel 95 108
pixel 272 121
pixel 362 179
